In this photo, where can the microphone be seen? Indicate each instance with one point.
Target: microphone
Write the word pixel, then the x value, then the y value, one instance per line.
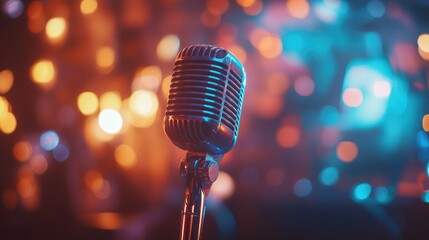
pixel 203 117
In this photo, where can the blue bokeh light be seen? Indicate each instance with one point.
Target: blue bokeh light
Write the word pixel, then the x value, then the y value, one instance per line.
pixel 61 153
pixel 383 195
pixel 302 187
pixel 425 197
pixel 49 140
pixel 362 191
pixel 329 176
pixel 329 115
pixel 376 8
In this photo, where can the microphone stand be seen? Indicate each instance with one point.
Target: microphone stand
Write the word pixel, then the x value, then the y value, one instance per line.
pixel 199 171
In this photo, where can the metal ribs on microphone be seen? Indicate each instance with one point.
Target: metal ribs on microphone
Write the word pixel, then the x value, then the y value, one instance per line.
pixel 205 100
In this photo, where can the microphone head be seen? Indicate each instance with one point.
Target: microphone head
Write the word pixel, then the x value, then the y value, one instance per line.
pixel 205 100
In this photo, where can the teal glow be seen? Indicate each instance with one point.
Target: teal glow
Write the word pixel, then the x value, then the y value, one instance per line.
pixel 425 197
pixel 422 139
pixel 376 8
pixel 383 195
pixel 366 75
pixel 331 11
pixel 427 169
pixel 302 187
pixel 373 44
pixel 329 115
pixel 329 176
pixel 362 191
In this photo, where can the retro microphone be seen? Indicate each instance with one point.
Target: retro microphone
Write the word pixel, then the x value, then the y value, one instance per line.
pixel 202 117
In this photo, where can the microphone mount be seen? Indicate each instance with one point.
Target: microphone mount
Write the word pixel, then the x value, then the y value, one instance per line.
pixel 199 171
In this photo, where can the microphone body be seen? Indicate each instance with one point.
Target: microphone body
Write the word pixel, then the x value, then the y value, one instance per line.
pixel 202 117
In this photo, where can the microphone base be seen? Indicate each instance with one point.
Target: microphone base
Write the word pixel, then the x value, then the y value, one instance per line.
pixel 199 171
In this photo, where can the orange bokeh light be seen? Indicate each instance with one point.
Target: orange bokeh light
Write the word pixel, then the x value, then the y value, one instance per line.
pixel 347 151
pixel 425 122
pixel 298 8
pixel 22 151
pixel 288 136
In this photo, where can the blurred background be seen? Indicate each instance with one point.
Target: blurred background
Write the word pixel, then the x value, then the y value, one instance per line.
pixel 334 135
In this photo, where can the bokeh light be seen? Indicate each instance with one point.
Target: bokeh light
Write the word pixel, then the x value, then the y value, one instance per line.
pixel 8 123
pixel 270 46
pixel 61 153
pixel 353 97
pixel 302 187
pixel 22 150
pixel 329 176
pixel 56 28
pixel 105 59
pixel 254 9
pixel 362 191
pixel 298 8
pixel 168 47
pixel 125 156
pixel 110 121
pixel 13 8
pixel 87 103
pixel 376 8
pixel 147 78
pixel 223 188
pixel 88 6
pixel 304 86
pixel 39 164
pixel 111 99
pixel 6 81
pixel 347 151
pixel 288 136
pixel 329 115
pixel 9 199
pixel 383 195
pixel 43 72
pixel 144 103
pixel 423 42
pixel 425 122
pixel 381 88
pixel 49 140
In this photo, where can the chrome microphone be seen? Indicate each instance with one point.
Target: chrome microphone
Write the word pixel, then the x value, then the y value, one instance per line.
pixel 205 100
pixel 202 117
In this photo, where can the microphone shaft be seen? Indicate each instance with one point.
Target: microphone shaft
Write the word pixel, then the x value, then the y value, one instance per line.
pixel 193 211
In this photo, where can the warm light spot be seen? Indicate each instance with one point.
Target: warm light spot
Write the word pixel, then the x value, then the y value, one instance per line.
pixel 93 133
pixel 4 106
pixel 298 8
pixel 147 78
pixel 87 102
pixel 55 28
pixel 223 187
pixel 143 103
pixel 7 123
pixel 6 81
pixel 245 3
pixel 43 72
pixel 104 220
pixel 288 136
pixel 217 7
pixel 104 191
pixel 10 199
pixel 166 85
pixel 35 10
pixel 88 6
pixel 93 180
pixel 110 121
pixel 105 59
pixel 423 42
pixel 304 86
pixel 425 122
pixel 381 89
pixel 22 151
pixel 39 164
pixel 347 151
pixel 168 47
pixel 352 97
pixel 209 19
pixel 270 46
pixel 238 52
pixel 254 9
pixel 125 156
pixel 424 55
pixel 110 100
pixel 277 83
pixel 26 187
pixel 257 35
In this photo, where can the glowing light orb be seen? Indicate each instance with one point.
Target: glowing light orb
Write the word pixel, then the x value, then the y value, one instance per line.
pixel 147 78
pixel 4 106
pixel 223 187
pixel 362 191
pixel 376 8
pixel 254 9
pixel 13 8
pixel 425 197
pixel 6 81
pixel 245 3
pixel 298 8
pixel 110 100
pixel 165 87
pixel 49 140
pixel 88 6
pixel 125 156
pixel 143 103
pixel 383 195
pixel 87 103
pixel 423 42
pixel 425 122
pixel 8 123
pixel 353 97
pixel 347 151
pixel 288 136
pixel 168 47
pixel 22 151
pixel 329 176
pixel 110 121
pixel 381 88
pixel 39 164
pixel 304 86
pixel 105 59
pixel 55 28
pixel 43 72
pixel 302 187
pixel 61 153
pixel 270 46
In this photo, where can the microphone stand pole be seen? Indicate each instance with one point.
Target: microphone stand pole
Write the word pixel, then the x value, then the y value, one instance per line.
pixel 199 171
